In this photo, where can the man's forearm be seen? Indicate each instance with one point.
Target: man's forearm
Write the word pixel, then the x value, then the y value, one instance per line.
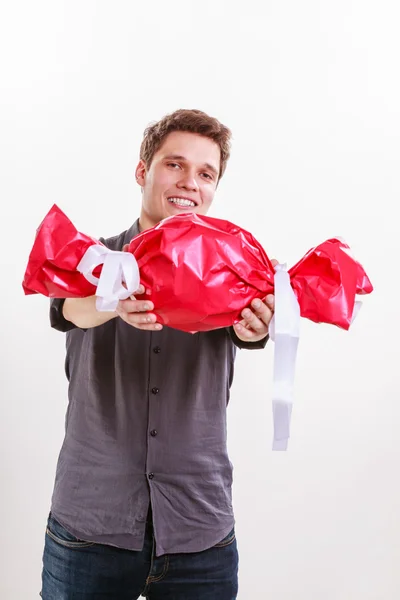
pixel 82 312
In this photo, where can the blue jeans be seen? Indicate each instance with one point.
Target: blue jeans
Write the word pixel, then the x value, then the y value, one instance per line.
pixel 74 569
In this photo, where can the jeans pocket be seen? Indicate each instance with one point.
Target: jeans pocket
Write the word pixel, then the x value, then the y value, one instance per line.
pixel 227 540
pixel 61 536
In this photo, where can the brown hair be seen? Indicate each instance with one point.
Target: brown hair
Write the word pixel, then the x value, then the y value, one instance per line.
pixel 193 121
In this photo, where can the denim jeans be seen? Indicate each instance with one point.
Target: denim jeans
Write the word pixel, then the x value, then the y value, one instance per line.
pixel 74 569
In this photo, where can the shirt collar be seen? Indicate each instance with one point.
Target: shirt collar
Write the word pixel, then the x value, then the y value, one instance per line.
pixel 132 232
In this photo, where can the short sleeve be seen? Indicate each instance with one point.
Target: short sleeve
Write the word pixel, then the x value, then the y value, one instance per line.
pixel 247 345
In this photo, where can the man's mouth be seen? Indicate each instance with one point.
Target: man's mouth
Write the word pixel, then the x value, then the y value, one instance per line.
pixel 182 202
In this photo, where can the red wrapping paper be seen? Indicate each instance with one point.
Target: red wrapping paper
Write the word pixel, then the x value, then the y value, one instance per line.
pixel 202 271
pixel 56 252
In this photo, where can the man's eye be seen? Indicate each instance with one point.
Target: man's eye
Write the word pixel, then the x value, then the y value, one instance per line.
pixel 207 175
pixel 172 165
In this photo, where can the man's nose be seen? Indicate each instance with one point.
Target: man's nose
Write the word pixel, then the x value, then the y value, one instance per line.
pixel 188 182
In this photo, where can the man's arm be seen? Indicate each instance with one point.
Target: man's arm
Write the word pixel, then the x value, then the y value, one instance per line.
pixel 82 312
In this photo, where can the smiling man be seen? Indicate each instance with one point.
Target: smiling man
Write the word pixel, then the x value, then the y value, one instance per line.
pixel 142 500
pixel 183 176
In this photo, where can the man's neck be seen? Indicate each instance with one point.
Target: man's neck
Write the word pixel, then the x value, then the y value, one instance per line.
pixel 145 222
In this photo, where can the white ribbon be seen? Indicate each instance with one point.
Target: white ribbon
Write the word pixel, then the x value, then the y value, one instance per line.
pixel 119 276
pixel 284 330
pixel 356 309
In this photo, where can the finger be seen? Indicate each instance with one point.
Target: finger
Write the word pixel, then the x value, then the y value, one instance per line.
pixel 259 306
pixel 140 290
pixel 274 262
pixel 243 332
pixel 253 321
pixel 148 327
pixel 262 310
pixel 270 301
pixel 135 306
pixel 143 326
pixel 243 323
pixel 140 318
pixel 125 248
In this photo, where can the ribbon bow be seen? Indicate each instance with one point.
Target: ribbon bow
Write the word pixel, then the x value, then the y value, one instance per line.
pixel 119 276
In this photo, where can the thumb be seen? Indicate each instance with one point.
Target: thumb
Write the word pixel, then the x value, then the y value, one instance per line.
pixel 125 248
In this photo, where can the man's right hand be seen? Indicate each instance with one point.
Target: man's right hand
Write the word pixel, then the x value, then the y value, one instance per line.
pixel 137 312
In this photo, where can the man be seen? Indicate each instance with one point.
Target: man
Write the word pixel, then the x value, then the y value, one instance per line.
pixel 142 498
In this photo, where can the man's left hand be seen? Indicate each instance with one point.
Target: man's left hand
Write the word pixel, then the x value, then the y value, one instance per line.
pixel 254 325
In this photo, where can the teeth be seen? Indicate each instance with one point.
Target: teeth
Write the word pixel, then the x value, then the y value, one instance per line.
pixel 181 202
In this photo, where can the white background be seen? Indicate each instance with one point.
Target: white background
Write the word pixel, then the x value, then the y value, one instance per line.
pixel 311 92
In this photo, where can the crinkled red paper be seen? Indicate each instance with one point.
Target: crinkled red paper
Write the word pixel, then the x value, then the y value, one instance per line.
pixel 202 271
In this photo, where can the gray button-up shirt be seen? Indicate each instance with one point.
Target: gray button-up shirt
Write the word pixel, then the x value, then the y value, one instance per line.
pixel 146 421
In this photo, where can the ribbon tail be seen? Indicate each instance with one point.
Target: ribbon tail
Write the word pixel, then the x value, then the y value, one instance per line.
pixel 356 310
pixel 118 280
pixel 282 391
pixel 285 332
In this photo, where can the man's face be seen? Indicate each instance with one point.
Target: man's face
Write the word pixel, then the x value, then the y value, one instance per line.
pixel 182 177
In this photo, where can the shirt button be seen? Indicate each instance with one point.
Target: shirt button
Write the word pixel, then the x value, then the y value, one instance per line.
pixel 157 349
pixel 155 390
pixel 153 432
pixel 151 475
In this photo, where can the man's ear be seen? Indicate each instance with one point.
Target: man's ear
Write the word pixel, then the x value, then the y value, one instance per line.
pixel 140 173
